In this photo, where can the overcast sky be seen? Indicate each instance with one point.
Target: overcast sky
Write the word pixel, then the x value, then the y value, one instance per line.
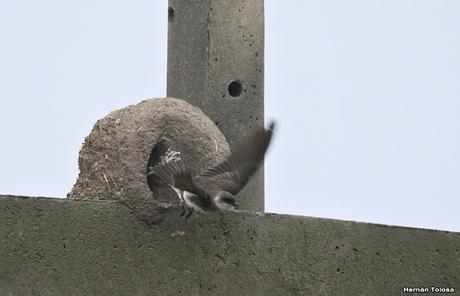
pixel 366 93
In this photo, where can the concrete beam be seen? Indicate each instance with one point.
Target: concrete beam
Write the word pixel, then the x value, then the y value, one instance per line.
pixel 216 62
pixel 62 247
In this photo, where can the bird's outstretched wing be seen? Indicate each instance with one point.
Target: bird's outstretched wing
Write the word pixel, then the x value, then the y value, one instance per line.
pixel 232 174
pixel 175 174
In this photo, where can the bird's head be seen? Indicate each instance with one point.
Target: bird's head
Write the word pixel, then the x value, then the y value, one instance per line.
pixel 225 201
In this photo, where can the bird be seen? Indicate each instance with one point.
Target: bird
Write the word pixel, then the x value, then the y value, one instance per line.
pixel 214 189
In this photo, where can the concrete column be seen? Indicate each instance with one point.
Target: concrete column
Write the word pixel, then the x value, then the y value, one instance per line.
pixel 216 62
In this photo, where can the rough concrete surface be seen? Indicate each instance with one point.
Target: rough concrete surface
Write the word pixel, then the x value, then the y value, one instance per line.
pixel 115 157
pixel 64 247
pixel 212 43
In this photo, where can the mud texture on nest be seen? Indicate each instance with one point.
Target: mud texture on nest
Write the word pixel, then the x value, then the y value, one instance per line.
pixel 116 156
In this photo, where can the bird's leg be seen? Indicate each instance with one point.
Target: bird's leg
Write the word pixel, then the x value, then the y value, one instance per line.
pixel 181 200
pixel 190 212
pixel 184 207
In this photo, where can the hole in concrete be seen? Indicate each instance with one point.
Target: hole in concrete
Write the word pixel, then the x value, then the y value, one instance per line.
pixel 235 88
pixel 155 156
pixel 170 14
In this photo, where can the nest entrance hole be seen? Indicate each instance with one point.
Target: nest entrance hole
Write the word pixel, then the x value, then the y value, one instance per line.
pixel 155 157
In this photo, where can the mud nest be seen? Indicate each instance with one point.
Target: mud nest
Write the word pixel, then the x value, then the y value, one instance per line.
pixel 116 156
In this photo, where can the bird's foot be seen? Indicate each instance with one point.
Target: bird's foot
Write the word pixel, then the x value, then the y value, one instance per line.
pixel 184 210
pixel 190 212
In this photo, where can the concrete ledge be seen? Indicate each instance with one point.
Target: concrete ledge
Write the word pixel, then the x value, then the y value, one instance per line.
pixel 62 247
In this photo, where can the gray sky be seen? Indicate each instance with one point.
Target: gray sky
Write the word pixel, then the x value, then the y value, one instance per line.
pixel 366 93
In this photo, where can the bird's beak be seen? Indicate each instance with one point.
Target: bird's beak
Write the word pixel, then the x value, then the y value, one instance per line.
pixel 236 205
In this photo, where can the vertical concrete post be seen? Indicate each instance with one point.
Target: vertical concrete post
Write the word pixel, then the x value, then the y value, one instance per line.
pixel 216 62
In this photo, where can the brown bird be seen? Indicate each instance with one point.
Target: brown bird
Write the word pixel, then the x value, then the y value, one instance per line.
pixel 215 188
